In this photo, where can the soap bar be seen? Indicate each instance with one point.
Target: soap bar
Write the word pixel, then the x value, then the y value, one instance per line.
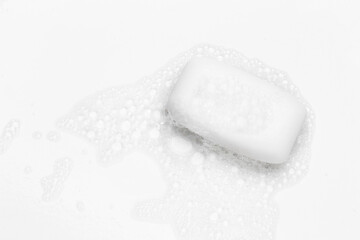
pixel 236 110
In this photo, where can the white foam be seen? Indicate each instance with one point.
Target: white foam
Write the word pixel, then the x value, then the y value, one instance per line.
pixel 53 184
pixel 9 133
pixel 212 193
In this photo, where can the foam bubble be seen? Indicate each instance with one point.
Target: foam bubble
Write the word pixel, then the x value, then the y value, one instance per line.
pixel 28 170
pixel 80 206
pixel 37 135
pixel 212 193
pixel 53 136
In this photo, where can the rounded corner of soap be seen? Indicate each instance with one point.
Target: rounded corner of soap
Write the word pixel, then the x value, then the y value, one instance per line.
pixel 199 63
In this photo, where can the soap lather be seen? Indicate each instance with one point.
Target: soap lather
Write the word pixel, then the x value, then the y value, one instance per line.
pixel 236 110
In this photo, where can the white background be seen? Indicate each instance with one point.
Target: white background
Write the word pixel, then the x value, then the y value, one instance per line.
pixel 54 53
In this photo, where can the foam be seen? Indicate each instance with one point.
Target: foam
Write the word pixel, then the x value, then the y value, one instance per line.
pixel 212 193
pixel 9 133
pixel 37 135
pixel 53 184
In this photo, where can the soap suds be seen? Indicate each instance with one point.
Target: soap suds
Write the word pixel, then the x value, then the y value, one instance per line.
pixel 212 193
pixel 80 206
pixel 37 135
pixel 28 170
pixel 53 184
pixel 53 136
pixel 9 133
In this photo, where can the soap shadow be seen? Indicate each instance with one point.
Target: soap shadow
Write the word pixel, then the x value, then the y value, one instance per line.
pixel 207 147
pixel 252 166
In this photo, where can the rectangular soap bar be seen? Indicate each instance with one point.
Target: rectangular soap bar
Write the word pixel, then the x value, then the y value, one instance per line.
pixel 236 110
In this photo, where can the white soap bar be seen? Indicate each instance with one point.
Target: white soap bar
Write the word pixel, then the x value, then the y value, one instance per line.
pixel 236 110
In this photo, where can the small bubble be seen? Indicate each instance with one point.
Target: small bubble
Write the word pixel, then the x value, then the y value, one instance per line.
pixel 84 152
pixel 28 170
pixel 37 135
pixel 80 206
pixel 53 136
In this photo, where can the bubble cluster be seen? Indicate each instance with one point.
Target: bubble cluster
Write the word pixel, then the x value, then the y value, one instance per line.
pixel 52 185
pixel 9 133
pixel 212 193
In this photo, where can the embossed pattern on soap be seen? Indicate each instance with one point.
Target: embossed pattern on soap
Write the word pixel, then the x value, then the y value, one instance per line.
pixel 239 106
pixel 212 193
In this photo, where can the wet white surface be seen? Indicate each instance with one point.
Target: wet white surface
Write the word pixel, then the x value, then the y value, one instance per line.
pixel 202 200
pixel 53 54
